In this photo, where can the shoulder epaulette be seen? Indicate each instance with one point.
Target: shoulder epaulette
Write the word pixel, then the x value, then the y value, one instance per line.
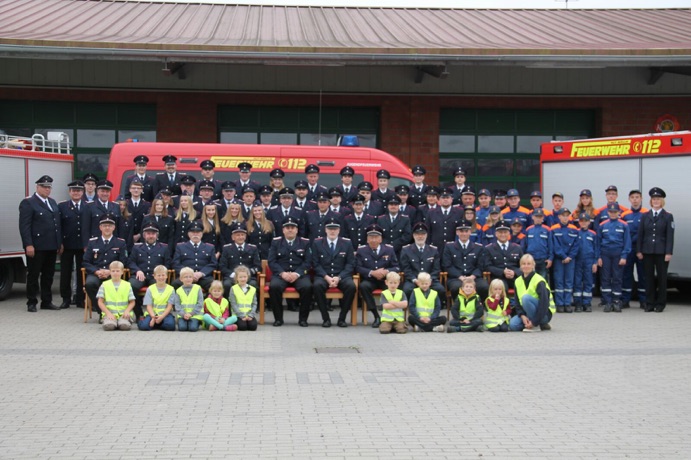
pixel 623 221
pixel 305 239
pixel 529 227
pixel 406 246
pixel 277 238
pixel 121 239
pixel 592 231
pixel 229 244
pixel 138 244
pixel 63 201
pixel 164 244
pixel 546 227
pixel 572 226
pixel 555 226
pixel 93 239
pixel 345 239
pixel 160 174
pixel 388 246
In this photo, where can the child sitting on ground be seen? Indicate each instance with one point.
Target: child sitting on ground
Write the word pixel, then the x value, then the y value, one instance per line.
pixel 216 314
pixel 189 302
pixel 467 309
pixel 497 306
pixel 116 300
pixel 158 303
pixel 393 301
pixel 243 300
pixel 425 307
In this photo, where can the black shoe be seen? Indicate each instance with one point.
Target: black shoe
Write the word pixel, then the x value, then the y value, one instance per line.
pixel 568 309
pixel 64 305
pixel 616 308
pixel 49 306
pixel 660 308
pixel 278 323
pixel 74 300
pixel 303 323
pixel 607 308
pixel 342 324
pixel 649 308
pixel 625 305
pixel 326 323
pixel 31 308
pixel 376 323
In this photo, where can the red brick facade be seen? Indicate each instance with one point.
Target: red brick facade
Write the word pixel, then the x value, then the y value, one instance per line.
pixel 409 124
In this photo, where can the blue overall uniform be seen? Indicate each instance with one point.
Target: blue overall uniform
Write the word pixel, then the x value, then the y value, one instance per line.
pixel 538 243
pixel 615 244
pixel 588 253
pixel 633 218
pixel 564 244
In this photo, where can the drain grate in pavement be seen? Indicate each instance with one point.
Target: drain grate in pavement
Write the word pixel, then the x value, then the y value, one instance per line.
pixel 337 350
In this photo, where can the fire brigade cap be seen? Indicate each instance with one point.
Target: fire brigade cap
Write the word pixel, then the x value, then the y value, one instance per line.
pixel 468 191
pixel 358 199
pixel 332 223
pixel 499 193
pixel 469 208
pixel 584 216
pixel 195 226
pixel 375 229
pixel 536 193
pixel 657 192
pixel 120 198
pixel 538 212
pixel 383 174
pixel 248 189
pixel 322 197
pixel 105 184
pixel 516 221
pixel 446 192
pixel 494 210
pixel 512 192
pixel 228 185
pixel 244 166
pixel 464 224
pixel 206 184
pixel 290 222
pixel 278 173
pixel 459 172
pixel 76 185
pixel 301 184
pixel 586 192
pixel 420 227
pixel 90 177
pixel 612 188
pixel 266 190
pixel 347 171
pixel 107 218
pixel 394 200
pixel 169 159
pixel 365 186
pixel 188 180
pixel 312 169
pixel 165 191
pixel 150 227
pixel 564 211
pixel 207 164
pixel 402 190
pixel 286 191
pixel 432 190
pixel 136 181
pixel 141 160
pixel 559 194
pixel 45 181
pixel 419 170
pixel 502 225
pixel 334 191
pixel 238 227
pixel 484 191
pixel 613 207
pixel 635 191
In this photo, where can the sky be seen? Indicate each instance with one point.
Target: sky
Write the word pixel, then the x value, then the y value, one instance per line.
pixel 520 4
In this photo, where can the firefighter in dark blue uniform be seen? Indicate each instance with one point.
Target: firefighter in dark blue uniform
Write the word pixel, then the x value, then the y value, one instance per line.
pixel 336 203
pixel 72 244
pixel 373 208
pixel 140 164
pixel 316 220
pixel 615 245
pixel 289 261
pixel 276 178
pixel 285 209
pixel 245 172
pixel 227 197
pixel 301 201
pixel 333 261
pixel 199 256
pixel 39 228
pixel 313 187
pixel 432 197
pixel 373 261
pixel 407 209
pixel 99 253
pixel 90 180
pixel 356 223
pixel 94 211
pixel 418 191
pixel 443 220
pixel 144 258
pixel 655 246
pixel 383 193
pixel 421 257
pixel 138 207
pixel 207 172
pixel 459 177
pixel 502 258
pixel 239 252
pixel 463 259
pixel 170 178
pixel 347 188
pixel 633 218
pixel 397 229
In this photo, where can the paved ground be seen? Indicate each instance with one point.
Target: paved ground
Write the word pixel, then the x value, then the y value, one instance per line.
pixel 597 386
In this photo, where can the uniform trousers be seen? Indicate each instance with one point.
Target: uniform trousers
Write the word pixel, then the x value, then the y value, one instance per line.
pixel 42 265
pixel 93 282
pixel 71 259
pixel 345 285
pixel 563 282
pixel 583 282
pixel 656 286
pixel 366 288
pixel 427 327
pixel 627 284
pixel 276 288
pixel 611 278
pixel 481 287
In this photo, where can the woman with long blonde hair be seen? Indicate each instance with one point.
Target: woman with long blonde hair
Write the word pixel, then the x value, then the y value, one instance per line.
pixel 211 228
pixel 184 216
pixel 233 215
pixel 159 216
pixel 260 230
pixel 585 204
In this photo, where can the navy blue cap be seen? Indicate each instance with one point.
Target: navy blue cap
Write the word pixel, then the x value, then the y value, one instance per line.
pixel 459 172
pixel 464 224
pixel 365 186
pixel 512 192
pixel 402 189
pixel 585 192
pixel 290 221
pixel 136 181
pixel 538 212
pixel 383 174
pixel 634 191
pixel 322 197
pixel 657 192
pixel 245 166
pixel 166 191
pixel 347 171
pixel 207 164
pixel 45 181
pixel 141 159
pixel 301 184
pixel 447 192
pixel 207 184
pixel 420 227
pixel 90 177
pixel 286 191
pixel 613 207
pixel 106 184
pixel 358 199
pixel 468 191
pixel 484 191
pixel 494 210
pixel 536 193
pixel 516 221
pixel 375 229
pixel 195 226
pixel 334 191
pixel 265 190
pixel 108 218
pixel 278 172
pixel 248 189
pixel 238 227
pixel 151 226
pixel 188 180
pixel 394 200
pixel 502 225
pixel 584 216
pixel 169 159
pixel 419 170
pixel 500 193
pixel 559 194
pixel 469 208
pixel 566 211
pixel 432 190
pixel 76 184
pixel 312 169
pixel 332 223
pixel 228 185
pixel 612 188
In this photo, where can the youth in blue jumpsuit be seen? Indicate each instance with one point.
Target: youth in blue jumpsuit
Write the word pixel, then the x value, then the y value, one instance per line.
pixel 615 245
pixel 588 254
pixel 564 249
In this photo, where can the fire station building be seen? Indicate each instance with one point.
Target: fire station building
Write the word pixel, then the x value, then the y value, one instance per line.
pixel 437 87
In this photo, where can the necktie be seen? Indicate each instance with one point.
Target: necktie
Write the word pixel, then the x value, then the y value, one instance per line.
pixel 311 189
pixel 290 244
pixel 446 213
pixel 465 246
pixel 347 190
pixel 136 205
pixel 504 247
pixel 77 206
pixel 240 248
pixel 196 246
pixel 227 203
pixel 171 178
pixel 106 242
pixel 421 249
pixel 358 219
pixel 333 247
pixel 655 214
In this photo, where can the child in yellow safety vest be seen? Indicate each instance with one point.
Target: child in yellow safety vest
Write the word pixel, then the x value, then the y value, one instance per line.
pixel 116 300
pixel 393 301
pixel 158 303
pixel 243 300
pixel 425 307
pixel 498 310
pixel 467 309
pixel 216 313
pixel 189 301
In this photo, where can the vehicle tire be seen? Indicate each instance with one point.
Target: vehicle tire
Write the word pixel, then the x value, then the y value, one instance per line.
pixel 6 279
pixel 683 287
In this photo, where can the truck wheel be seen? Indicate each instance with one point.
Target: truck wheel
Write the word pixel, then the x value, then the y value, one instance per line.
pixel 683 287
pixel 6 280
